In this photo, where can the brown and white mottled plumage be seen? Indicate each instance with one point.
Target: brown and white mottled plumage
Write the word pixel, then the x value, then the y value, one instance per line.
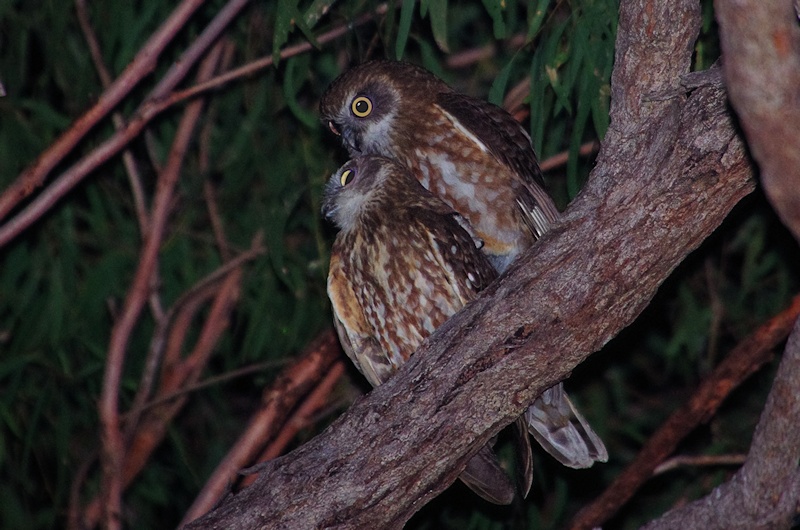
pixel 403 263
pixel 476 158
pixel 470 153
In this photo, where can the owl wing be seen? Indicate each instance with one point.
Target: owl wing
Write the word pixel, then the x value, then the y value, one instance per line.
pixel 458 251
pixel 507 141
pixel 355 333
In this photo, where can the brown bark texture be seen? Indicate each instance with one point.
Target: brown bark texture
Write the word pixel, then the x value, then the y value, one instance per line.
pixel 764 493
pixel 761 60
pixel 670 169
pixel 761 57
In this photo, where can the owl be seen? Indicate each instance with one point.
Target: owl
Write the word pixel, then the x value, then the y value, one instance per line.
pixel 402 263
pixel 477 159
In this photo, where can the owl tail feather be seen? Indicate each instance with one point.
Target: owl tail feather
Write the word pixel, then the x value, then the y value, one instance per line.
pixel 484 476
pixel 562 431
pixel 487 478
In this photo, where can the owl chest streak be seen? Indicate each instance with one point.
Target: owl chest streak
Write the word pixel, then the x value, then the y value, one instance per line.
pixel 454 165
pixel 404 289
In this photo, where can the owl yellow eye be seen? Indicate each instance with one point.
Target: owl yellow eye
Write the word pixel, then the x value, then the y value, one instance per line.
pixel 361 106
pixel 347 176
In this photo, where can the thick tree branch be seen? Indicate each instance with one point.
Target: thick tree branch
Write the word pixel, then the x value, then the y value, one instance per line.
pixel 742 362
pixel 761 47
pixel 668 174
pixel 764 493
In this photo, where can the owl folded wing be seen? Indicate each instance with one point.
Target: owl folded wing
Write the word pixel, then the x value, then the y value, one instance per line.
pixel 507 141
pixel 354 331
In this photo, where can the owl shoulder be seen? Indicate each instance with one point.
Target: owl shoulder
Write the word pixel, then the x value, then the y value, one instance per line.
pixel 502 135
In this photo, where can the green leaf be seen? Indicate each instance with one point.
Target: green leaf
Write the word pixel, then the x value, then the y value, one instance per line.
pixel 500 82
pixel 439 23
pixel 495 9
pixel 287 16
pixel 536 14
pixel 283 26
pixel 406 15
pixel 316 11
pixel 292 82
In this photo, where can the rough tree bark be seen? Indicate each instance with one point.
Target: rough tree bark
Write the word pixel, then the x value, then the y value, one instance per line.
pixel 670 170
pixel 761 54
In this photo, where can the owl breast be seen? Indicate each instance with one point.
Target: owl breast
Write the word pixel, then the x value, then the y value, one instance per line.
pixel 456 166
pixel 405 290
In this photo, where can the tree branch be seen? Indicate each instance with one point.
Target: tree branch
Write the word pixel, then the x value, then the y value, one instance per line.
pixel 667 175
pixel 764 493
pixel 761 60
pixel 744 360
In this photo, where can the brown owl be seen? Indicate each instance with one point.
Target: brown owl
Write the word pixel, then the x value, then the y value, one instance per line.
pixel 476 158
pixel 403 262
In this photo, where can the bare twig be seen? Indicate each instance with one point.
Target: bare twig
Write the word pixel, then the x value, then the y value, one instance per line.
pixel 560 159
pixel 131 168
pixel 699 460
pixel 113 452
pixel 277 402
pixel 301 419
pixel 209 382
pixel 144 63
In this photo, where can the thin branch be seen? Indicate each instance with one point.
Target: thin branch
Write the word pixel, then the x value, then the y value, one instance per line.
pixel 589 148
pixel 142 64
pixel 33 177
pixel 277 401
pixel 113 452
pixel 209 382
pixel 301 419
pixel 748 356
pixel 131 169
pixel 699 461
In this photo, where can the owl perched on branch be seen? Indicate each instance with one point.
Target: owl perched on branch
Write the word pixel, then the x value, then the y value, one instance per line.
pixel 403 263
pixel 477 159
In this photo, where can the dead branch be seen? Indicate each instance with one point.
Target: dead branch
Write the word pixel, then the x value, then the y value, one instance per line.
pixel 748 356
pixel 277 402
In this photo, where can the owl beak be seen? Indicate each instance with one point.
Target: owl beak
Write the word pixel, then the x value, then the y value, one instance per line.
pixel 350 141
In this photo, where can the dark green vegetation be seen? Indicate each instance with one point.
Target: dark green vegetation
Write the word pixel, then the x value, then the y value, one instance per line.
pixel 63 281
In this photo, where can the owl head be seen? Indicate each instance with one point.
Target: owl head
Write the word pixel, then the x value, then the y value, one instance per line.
pixel 371 105
pixel 354 189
